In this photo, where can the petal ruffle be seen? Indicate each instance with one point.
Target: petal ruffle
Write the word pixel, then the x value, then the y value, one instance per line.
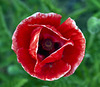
pixel 69 24
pixel 52 19
pixel 27 62
pixel 34 42
pixel 75 53
pixel 21 37
pixel 53 71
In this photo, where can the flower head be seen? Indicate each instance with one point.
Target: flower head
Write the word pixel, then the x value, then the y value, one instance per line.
pixel 46 49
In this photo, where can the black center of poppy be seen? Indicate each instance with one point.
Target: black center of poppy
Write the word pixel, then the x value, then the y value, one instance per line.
pixel 47 46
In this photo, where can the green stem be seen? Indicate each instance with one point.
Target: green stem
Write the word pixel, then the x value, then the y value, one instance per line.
pixel 91 39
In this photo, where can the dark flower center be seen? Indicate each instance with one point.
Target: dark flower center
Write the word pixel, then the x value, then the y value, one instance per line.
pixel 47 46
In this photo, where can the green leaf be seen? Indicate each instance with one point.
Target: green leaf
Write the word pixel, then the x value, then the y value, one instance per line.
pixel 93 25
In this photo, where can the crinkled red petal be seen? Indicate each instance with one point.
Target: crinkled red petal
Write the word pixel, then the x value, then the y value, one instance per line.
pixel 52 71
pixel 21 37
pixel 53 34
pixel 26 60
pixel 52 19
pixel 69 24
pixel 34 42
pixel 73 55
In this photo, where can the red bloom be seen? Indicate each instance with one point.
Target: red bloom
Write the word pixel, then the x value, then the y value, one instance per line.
pixel 46 49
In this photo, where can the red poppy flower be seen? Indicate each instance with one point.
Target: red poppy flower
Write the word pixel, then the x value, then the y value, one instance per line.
pixel 46 49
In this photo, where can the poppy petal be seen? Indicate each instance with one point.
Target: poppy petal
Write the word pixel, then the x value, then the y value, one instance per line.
pixel 21 37
pixel 49 27
pixel 76 52
pixel 52 71
pixel 69 24
pixel 53 33
pixel 27 62
pixel 34 42
pixel 52 19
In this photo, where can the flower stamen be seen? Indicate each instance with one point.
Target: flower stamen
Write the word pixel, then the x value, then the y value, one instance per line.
pixel 48 44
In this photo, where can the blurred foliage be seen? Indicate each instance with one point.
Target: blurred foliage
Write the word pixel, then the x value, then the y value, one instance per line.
pixel 87 15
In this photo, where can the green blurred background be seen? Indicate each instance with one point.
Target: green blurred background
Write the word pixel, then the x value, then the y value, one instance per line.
pixel 86 13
